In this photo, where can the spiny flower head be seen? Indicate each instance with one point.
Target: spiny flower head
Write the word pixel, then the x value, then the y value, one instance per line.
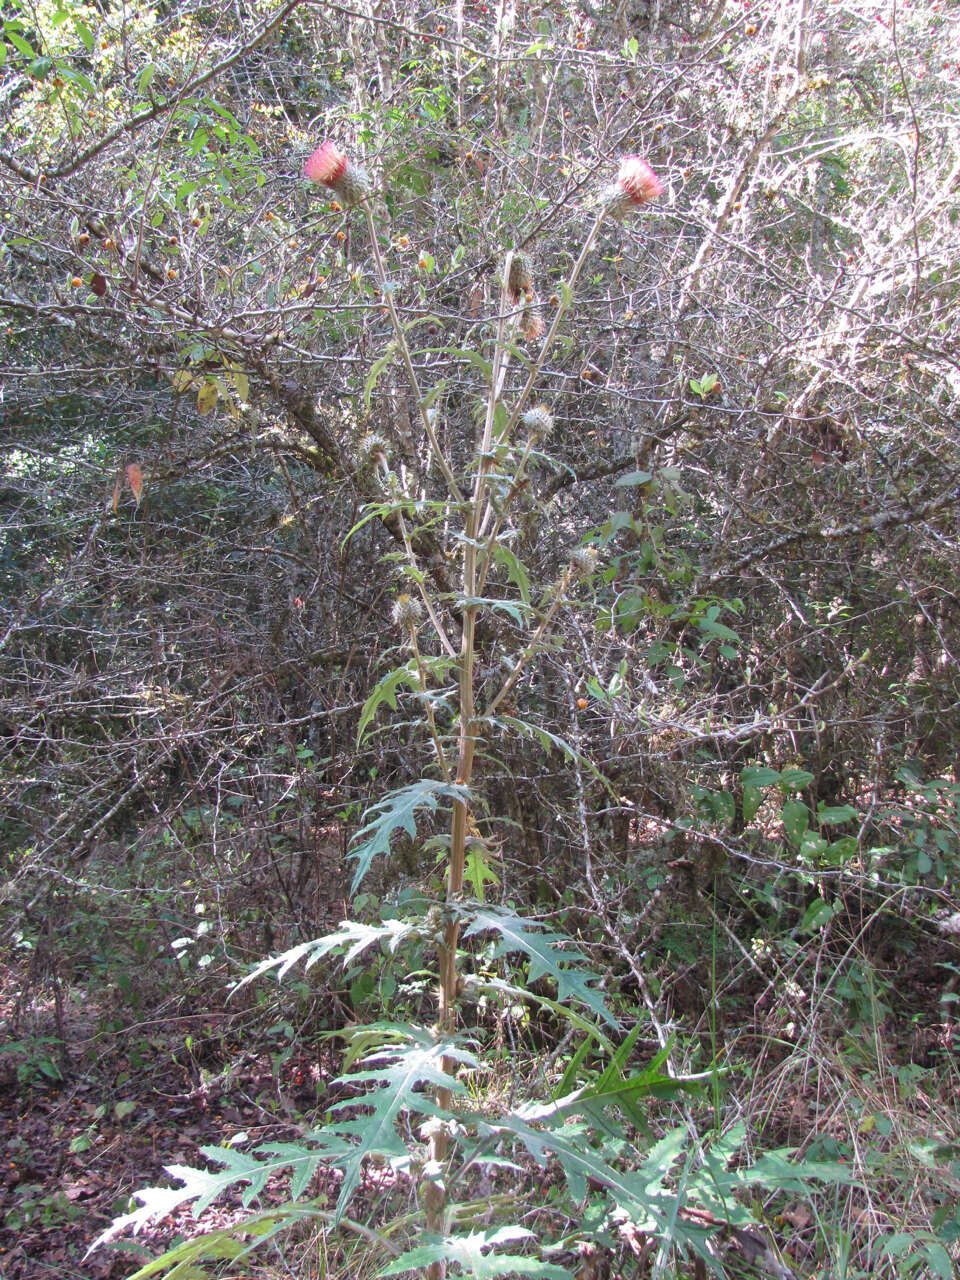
pixel 372 448
pixel 327 164
pixel 538 421
pixel 334 169
pixel 638 180
pixel 520 277
pixel 406 612
pixel 636 184
pixel 583 561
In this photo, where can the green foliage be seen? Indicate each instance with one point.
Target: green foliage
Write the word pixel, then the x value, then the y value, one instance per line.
pixel 36 1059
pixel 702 387
pixel 399 1074
pixel 929 827
pixel 351 939
pixel 473 1255
pixel 387 688
pixel 550 955
pixel 582 1130
pixel 189 683
pixel 397 812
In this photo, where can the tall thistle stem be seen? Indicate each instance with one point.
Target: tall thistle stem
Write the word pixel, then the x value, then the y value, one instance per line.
pixel 636 183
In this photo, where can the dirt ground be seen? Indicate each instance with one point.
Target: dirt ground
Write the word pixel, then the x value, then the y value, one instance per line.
pixel 79 1136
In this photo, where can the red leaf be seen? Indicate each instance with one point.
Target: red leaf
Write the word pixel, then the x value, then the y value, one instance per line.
pixel 98 284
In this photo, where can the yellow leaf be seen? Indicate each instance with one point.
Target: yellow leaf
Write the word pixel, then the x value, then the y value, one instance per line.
pixel 242 384
pixel 207 397
pixel 182 380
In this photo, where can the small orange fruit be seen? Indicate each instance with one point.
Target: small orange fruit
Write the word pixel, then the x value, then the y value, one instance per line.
pixel 76 282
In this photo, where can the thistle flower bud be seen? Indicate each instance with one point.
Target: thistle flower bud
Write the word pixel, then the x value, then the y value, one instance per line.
pixel 584 561
pixel 538 421
pixel 334 169
pixel 372 448
pixel 406 612
pixel 636 184
pixel 519 280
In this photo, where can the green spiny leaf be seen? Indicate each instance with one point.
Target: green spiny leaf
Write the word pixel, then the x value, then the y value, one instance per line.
pixel 386 691
pixel 400 1083
pixel 477 871
pixel 473 1255
pixel 396 811
pixel 375 372
pixel 351 937
pixel 516 570
pixel 546 955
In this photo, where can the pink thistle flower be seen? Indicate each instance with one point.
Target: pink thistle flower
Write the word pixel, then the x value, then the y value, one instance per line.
pixel 326 165
pixel 638 180
pixel 636 184
pixel 329 165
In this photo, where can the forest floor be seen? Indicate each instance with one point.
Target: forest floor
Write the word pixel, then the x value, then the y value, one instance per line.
pixel 77 1138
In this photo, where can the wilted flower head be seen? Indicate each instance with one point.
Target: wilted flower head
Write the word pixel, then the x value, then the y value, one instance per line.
pixel 538 421
pixel 406 612
pixel 584 561
pixel 331 166
pixel 636 184
pixel 531 322
pixel 519 280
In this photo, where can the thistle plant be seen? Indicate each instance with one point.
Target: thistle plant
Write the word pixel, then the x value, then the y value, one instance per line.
pixel 411 1071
